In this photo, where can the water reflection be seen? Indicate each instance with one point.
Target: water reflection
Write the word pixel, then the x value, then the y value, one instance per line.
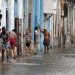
pixel 4 69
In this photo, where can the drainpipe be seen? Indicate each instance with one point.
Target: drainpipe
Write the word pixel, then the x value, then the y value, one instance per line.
pixel 26 15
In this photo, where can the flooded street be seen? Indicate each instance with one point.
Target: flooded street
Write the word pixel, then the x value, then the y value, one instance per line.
pixel 56 62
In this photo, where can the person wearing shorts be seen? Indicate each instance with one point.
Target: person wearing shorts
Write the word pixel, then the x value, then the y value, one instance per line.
pixel 13 37
pixel 5 37
pixel 46 41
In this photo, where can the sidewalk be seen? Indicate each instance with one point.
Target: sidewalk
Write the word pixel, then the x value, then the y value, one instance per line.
pixel 40 52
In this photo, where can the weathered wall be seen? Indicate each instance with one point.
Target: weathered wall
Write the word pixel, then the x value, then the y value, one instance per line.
pixel 49 6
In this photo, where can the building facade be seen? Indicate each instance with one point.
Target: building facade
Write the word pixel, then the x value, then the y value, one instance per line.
pixel 49 14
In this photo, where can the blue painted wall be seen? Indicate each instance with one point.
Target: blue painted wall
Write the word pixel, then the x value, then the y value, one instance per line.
pixel 41 21
pixel 37 17
pixel 15 8
pixel 33 20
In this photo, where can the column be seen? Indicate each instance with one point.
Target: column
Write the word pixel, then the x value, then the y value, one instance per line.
pixel 73 23
pixel 0 4
pixel 38 22
pixel 10 15
pixel 15 9
pixel 3 11
pixel 33 20
pixel 41 21
pixel 51 31
pixel 20 16
pixel 37 18
pixel 0 13
pixel 24 28
pixel 26 15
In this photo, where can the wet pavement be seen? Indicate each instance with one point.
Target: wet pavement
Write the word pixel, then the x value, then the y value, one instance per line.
pixel 60 61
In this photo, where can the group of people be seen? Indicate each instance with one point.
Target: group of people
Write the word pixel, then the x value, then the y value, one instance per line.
pixel 8 42
pixel 46 41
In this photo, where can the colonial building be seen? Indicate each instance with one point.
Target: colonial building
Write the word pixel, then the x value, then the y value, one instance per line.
pixel 65 22
pixel 23 14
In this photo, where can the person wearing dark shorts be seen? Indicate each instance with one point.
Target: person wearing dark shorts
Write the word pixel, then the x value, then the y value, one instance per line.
pixel 46 41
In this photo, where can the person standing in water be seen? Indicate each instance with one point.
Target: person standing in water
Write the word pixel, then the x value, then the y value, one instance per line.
pixel 46 41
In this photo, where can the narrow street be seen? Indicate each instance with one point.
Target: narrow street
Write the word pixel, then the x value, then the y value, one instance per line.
pixel 28 26
pixel 56 62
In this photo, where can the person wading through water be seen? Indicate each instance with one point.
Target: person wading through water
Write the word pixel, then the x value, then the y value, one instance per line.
pixel 13 38
pixel 46 41
pixel 5 38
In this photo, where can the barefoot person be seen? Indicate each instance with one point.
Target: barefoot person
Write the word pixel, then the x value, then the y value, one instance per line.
pixel 46 41
pixel 13 38
pixel 5 37
pixel 29 49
